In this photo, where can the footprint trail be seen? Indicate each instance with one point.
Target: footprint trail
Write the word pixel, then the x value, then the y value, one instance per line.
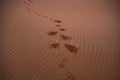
pixel 55 45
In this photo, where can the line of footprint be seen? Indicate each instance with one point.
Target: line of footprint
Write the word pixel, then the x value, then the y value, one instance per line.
pixel 71 48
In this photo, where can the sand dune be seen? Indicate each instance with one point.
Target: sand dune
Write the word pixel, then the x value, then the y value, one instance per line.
pixel 40 42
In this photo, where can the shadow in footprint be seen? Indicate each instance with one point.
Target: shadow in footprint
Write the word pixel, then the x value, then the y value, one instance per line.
pixel 45 16
pixel 58 21
pixel 52 33
pixel 64 37
pixel 55 45
pixel 62 29
pixel 71 48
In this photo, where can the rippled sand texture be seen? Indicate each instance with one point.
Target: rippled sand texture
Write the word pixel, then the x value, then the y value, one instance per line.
pixel 59 40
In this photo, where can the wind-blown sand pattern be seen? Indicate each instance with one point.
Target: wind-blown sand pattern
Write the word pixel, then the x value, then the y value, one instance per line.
pixel 59 40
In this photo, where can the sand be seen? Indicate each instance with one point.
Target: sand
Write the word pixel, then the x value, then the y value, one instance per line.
pixel 60 40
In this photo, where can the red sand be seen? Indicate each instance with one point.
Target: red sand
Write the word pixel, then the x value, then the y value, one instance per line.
pixel 92 24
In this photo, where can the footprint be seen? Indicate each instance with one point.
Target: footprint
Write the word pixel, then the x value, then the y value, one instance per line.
pixel 24 2
pixel 35 12
pixel 71 48
pixel 52 33
pixel 58 25
pixel 69 76
pixel 62 64
pixel 30 1
pixel 64 37
pixel 45 16
pixel 28 9
pixel 62 29
pixel 55 45
pixel 27 3
pixel 39 15
pixel 57 21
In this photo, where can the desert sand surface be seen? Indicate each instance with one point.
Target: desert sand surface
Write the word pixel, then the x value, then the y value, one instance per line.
pixel 59 40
